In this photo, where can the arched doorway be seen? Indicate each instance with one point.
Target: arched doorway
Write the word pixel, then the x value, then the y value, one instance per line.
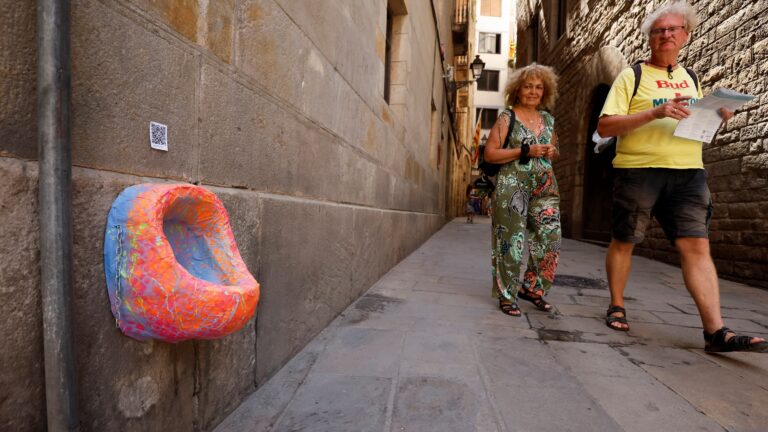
pixel 598 178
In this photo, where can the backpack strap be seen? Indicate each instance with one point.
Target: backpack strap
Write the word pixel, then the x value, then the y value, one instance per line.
pixel 638 71
pixel 693 77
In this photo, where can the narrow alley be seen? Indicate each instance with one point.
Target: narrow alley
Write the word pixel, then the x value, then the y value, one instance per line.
pixel 426 349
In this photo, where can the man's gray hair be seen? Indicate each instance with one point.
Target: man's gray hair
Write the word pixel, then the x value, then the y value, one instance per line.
pixel 678 8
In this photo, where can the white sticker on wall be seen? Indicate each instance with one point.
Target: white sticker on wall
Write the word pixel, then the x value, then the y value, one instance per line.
pixel 158 136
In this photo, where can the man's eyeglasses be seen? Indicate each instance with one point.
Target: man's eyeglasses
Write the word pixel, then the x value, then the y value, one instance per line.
pixel 662 30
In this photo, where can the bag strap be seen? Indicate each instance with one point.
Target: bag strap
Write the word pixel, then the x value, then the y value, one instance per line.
pixel 510 127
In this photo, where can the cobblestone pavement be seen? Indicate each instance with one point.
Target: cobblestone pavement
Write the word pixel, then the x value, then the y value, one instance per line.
pixel 426 349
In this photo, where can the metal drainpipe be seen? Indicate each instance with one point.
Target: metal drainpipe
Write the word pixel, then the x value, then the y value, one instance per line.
pixel 55 167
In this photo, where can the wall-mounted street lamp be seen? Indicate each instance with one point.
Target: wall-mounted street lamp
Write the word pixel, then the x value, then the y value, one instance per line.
pixel 477 67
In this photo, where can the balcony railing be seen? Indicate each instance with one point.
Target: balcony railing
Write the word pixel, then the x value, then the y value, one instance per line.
pixel 461 13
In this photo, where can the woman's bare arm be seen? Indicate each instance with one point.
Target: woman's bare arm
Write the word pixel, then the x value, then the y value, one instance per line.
pixel 493 151
pixel 495 154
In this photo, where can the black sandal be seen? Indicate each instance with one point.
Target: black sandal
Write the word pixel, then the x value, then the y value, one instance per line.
pixel 509 308
pixel 609 319
pixel 717 342
pixel 537 301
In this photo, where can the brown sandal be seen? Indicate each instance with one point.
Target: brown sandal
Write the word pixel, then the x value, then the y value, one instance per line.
pixel 537 301
pixel 509 308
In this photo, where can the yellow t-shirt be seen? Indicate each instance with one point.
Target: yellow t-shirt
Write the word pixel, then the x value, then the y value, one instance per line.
pixel 653 144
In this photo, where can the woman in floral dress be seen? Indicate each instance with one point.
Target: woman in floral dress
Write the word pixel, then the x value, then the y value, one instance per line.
pixel 527 202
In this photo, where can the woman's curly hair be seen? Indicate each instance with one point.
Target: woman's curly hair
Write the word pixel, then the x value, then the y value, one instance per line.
pixel 547 76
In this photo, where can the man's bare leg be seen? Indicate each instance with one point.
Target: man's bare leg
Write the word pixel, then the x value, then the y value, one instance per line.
pixel 700 276
pixel 618 262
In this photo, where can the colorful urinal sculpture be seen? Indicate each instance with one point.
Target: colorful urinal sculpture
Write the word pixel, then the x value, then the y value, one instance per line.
pixel 172 266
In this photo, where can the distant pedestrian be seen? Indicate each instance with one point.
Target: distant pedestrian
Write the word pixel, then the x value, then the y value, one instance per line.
pixel 487 204
pixel 662 176
pixel 469 207
pixel 527 201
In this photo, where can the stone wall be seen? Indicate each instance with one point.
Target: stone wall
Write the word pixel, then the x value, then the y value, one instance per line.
pixel 276 107
pixel 728 49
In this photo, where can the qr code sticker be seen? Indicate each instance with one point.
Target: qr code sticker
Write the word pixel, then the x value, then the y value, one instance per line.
pixel 158 136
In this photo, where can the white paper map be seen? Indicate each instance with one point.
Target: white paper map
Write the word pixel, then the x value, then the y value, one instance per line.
pixel 704 121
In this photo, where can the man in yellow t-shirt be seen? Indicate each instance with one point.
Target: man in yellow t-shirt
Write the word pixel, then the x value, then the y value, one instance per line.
pixel 662 176
pixel 652 145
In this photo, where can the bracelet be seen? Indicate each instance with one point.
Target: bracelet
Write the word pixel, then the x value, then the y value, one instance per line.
pixel 524 149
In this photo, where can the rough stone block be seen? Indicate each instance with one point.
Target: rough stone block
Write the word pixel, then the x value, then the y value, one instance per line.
pixel 227 374
pixel 21 378
pixel 220 23
pixel 314 238
pixel 264 146
pixel 329 26
pixel 754 162
pixel 724 168
pixel 270 49
pixel 124 76
pixel 180 15
pixel 18 61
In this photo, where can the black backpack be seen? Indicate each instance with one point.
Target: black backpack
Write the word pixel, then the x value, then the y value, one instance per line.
pixel 488 168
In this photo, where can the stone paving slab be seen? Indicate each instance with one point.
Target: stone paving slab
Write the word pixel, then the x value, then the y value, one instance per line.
pixel 426 349
pixel 734 401
pixel 362 352
pixel 358 404
pixel 635 399
pixel 440 396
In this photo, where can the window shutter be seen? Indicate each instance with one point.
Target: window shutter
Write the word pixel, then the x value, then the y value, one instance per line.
pixel 490 8
pixel 496 8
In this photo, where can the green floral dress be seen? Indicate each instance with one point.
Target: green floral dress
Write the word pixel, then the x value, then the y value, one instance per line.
pixel 527 202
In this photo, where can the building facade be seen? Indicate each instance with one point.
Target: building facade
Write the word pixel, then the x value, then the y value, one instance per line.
pixel 495 34
pixel 589 43
pixel 327 132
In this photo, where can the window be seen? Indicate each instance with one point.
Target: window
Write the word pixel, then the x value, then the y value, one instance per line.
pixel 490 8
pixel 434 132
pixel 562 17
pixel 388 55
pixel 490 43
pixel 393 56
pixel 532 36
pixel 557 18
pixel 489 80
pixel 487 117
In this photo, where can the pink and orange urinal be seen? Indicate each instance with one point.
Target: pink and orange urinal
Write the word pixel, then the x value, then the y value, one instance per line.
pixel 172 265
